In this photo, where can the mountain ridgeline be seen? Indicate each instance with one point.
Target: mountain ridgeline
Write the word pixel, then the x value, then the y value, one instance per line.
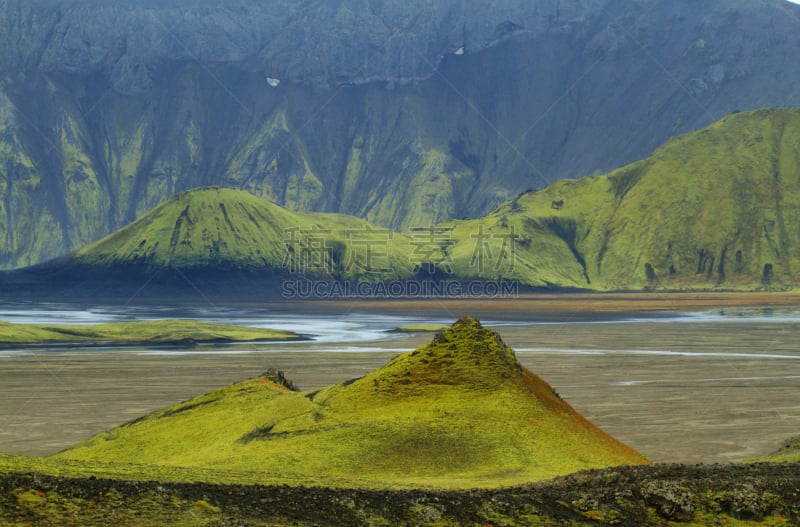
pixel 718 208
pixel 405 114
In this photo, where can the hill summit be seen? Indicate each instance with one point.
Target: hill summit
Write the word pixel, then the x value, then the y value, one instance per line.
pixel 465 354
pixel 225 228
pixel 458 412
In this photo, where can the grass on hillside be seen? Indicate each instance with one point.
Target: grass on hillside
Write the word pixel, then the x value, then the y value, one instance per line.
pixel 709 209
pixel 233 228
pixel 123 471
pixel 428 443
pixel 155 331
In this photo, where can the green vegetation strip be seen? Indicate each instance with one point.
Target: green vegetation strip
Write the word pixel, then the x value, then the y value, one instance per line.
pixel 155 332
pixel 420 328
pixel 68 468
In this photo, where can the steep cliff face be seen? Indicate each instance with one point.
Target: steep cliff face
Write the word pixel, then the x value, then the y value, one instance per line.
pixel 323 43
pixel 403 114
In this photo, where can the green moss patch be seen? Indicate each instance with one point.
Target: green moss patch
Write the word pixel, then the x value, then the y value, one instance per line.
pixel 420 328
pixel 788 453
pixel 144 332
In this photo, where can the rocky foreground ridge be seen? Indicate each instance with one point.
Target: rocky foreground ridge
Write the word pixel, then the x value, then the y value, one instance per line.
pixel 763 494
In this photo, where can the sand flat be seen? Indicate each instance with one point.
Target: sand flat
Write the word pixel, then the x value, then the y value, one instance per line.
pixel 679 390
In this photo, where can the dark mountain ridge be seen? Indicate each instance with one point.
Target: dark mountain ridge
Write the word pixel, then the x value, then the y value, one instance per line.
pixel 761 494
pixel 106 110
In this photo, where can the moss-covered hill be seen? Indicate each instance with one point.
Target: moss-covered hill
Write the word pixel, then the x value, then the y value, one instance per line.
pixel 459 412
pixel 788 453
pixel 714 208
pixel 227 228
pixel 718 208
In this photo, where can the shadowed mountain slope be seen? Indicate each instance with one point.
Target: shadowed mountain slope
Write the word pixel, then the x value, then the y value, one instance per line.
pixel 405 113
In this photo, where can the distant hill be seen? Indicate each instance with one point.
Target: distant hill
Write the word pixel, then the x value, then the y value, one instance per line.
pixel 227 228
pixel 406 113
pixel 459 412
pixel 714 209
pixel 218 241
